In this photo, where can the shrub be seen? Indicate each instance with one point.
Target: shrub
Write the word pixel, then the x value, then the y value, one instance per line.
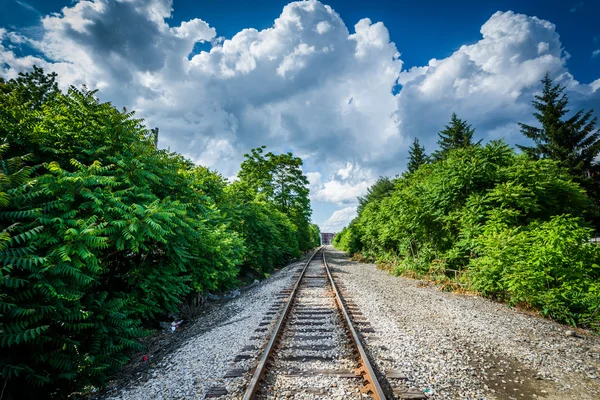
pixel 550 266
pixel 100 232
pixel 509 227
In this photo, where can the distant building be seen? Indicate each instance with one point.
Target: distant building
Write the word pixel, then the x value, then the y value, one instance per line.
pixel 326 238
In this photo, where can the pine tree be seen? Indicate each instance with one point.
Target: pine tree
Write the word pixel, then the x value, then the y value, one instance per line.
pixel 574 142
pixel 417 156
pixel 455 135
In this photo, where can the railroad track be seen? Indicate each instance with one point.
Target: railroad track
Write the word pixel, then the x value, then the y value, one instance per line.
pixel 314 349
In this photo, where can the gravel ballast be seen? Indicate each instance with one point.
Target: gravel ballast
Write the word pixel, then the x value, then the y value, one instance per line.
pixel 445 345
pixel 314 358
pixel 202 361
pixel 453 346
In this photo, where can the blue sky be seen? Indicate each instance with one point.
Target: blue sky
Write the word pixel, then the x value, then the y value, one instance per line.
pixel 345 92
pixel 422 30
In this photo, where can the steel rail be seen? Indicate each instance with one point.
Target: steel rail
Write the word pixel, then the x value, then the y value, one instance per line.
pixel 371 384
pixel 262 365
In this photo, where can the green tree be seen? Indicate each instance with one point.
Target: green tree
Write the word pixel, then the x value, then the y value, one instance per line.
pixel 32 88
pixel 511 227
pixel 270 237
pixel 315 234
pixel 457 134
pixel 100 232
pixel 417 156
pixel 278 179
pixel 21 102
pixel 349 239
pixel 574 142
pixel 381 188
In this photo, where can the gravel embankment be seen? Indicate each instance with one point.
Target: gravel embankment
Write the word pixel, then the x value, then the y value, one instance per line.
pixel 202 361
pixel 454 346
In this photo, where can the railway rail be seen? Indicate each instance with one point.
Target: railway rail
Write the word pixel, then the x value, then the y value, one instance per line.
pixel 314 346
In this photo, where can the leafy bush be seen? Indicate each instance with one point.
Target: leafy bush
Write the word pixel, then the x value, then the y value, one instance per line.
pixel 315 235
pixel 270 237
pixel 101 232
pixel 348 240
pixel 97 246
pixel 550 266
pixel 512 227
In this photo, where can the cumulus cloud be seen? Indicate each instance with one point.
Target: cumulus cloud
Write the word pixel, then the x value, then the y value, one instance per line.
pixel 323 27
pixel 490 83
pixel 334 191
pixel 339 219
pixel 286 84
pixel 342 187
pixel 308 83
pixel 124 48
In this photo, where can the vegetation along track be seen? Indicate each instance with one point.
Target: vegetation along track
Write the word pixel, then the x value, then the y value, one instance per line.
pixel 314 349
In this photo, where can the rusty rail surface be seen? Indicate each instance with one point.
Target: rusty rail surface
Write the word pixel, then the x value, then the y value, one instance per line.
pixel 371 385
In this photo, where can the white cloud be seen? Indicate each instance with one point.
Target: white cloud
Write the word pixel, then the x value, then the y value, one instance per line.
pixel 339 219
pixel 338 192
pixel 354 172
pixel 323 27
pixel 296 60
pixel 27 6
pixel 370 38
pixel 490 83
pixel 342 187
pixel 285 85
pixel 307 84
pixel 596 53
pixel 543 48
pixel 314 180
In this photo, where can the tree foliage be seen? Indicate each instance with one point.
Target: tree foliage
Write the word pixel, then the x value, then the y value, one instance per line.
pixel 508 226
pixel 458 134
pixel 376 192
pixel 279 180
pixel 573 141
pixel 512 227
pixel 416 156
pixel 315 234
pixel 101 232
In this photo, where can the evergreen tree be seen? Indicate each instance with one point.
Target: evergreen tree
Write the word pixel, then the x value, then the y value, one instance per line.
pixel 574 142
pixel 456 135
pixel 417 156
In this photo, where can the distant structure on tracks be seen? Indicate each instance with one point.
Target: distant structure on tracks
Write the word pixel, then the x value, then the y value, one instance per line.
pixel 326 238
